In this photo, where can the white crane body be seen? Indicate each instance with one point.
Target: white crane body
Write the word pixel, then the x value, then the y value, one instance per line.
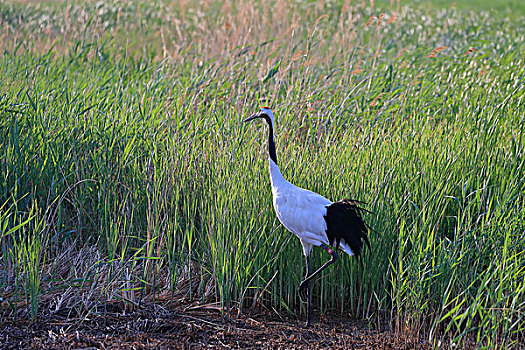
pixel 301 211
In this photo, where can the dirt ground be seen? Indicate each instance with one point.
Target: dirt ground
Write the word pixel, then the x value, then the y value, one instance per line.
pixel 163 328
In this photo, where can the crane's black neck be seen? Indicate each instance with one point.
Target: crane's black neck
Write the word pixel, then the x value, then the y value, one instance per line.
pixel 271 143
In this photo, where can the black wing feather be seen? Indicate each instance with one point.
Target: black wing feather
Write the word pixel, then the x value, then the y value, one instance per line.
pixel 344 221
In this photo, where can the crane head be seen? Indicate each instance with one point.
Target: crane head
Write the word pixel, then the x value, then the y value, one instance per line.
pixel 265 113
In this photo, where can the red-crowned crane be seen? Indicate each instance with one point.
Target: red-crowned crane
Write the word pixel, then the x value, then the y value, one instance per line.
pixel 315 220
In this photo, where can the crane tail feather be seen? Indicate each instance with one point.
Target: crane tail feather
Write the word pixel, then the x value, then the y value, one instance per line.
pixel 345 223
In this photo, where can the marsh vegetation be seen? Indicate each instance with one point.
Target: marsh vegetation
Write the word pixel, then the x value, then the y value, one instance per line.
pixel 127 177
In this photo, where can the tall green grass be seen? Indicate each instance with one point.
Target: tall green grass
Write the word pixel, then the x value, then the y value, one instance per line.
pixel 126 173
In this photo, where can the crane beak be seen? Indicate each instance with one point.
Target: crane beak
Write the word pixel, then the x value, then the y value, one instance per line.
pixel 255 116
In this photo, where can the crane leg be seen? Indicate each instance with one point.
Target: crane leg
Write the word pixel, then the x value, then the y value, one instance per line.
pixel 306 282
pixel 308 295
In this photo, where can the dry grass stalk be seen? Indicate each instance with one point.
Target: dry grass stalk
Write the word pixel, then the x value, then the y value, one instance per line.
pixel 437 50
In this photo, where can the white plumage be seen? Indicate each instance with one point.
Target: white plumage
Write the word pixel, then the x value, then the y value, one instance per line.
pixel 314 219
pixel 301 211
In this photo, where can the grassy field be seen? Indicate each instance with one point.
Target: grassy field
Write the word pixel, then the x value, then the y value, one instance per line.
pixel 127 176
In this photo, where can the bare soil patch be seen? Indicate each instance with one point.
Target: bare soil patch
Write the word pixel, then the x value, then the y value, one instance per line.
pixel 157 327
